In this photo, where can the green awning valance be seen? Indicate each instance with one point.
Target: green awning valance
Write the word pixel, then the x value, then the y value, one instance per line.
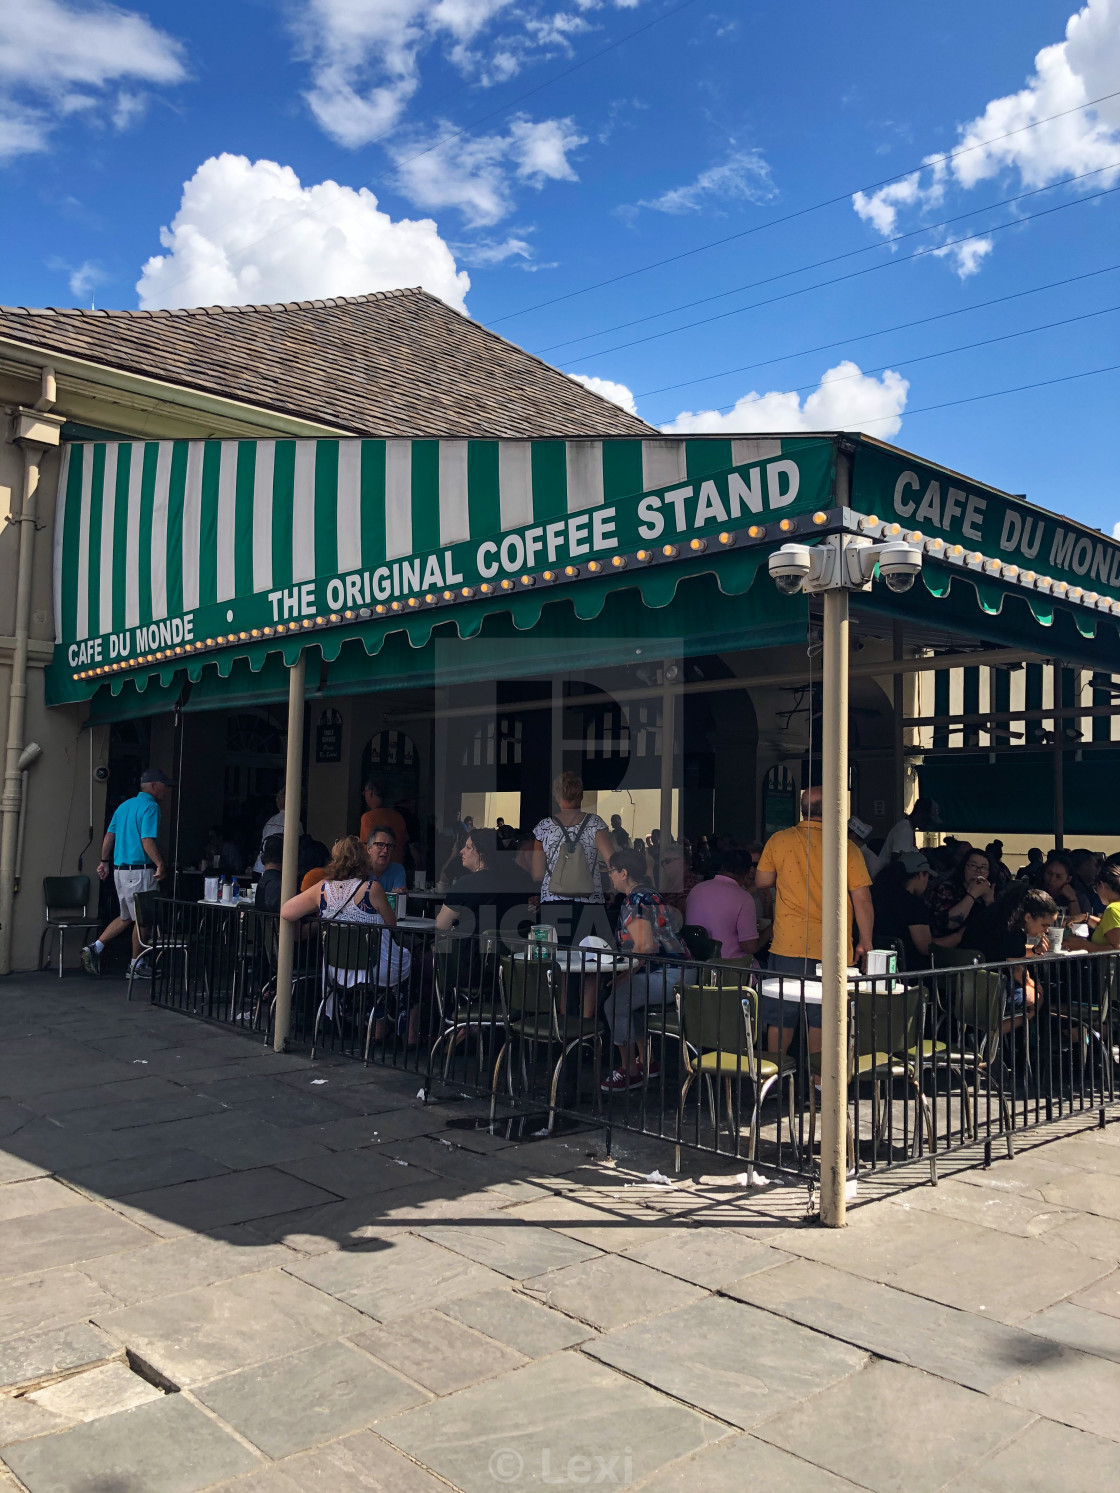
pixel 1015 794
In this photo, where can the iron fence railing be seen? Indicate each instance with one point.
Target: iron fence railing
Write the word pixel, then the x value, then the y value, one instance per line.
pixel 709 1057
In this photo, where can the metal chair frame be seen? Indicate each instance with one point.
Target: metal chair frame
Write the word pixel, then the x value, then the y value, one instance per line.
pixel 65 913
pixel 146 917
pixel 539 1023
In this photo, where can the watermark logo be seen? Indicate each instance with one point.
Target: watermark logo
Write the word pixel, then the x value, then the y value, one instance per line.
pixel 508 1466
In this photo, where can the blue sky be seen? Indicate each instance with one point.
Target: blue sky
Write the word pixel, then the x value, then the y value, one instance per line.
pixel 252 150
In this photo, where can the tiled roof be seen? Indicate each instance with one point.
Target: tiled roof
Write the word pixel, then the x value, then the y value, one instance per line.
pixel 394 363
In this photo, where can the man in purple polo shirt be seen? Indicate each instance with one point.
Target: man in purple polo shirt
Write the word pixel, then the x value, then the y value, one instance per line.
pixel 725 910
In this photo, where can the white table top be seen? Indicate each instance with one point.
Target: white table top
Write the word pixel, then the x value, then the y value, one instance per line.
pixel 792 987
pixel 596 961
pixel 417 925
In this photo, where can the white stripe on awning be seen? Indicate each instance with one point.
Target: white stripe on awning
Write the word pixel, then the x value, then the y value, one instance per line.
pixel 262 515
pixel 515 483
pixel 227 522
pixel 398 499
pixel 108 525
pixel 192 525
pixel 454 513
pixel 159 531
pixel 585 475
pixel 663 462
pixel 82 615
pixel 349 505
pixel 303 512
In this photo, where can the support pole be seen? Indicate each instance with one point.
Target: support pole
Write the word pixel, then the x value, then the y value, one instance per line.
pixel 668 755
pixel 290 864
pixel 1059 762
pixel 898 740
pixel 835 911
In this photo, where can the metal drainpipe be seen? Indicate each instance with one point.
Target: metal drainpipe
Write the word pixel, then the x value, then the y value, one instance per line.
pixel 12 796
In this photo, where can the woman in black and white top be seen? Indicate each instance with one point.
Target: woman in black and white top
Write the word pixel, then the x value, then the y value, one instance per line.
pixel 573 917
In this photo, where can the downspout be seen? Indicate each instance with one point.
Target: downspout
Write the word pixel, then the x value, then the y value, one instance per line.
pixel 36 431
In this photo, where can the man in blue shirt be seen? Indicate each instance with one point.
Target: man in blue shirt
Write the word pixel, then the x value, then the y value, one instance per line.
pixel 131 851
pixel 388 873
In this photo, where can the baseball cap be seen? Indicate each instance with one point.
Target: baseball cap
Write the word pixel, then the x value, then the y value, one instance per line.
pixel 914 862
pixel 155 775
pixel 859 827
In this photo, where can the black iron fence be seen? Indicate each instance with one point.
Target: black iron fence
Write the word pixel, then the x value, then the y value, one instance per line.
pixel 710 1057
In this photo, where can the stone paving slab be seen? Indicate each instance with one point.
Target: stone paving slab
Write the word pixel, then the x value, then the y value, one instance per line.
pixel 51 1298
pixel 243 1141
pixel 729 1359
pixel 441 1354
pixel 36 1355
pixel 955 1345
pixel 1009 1213
pixel 712 1258
pixel 1079 1389
pixel 1011 1283
pixel 35 1195
pixel 164 1268
pixel 21 1419
pixel 516 1249
pixel 1077 1327
pixel 295 1402
pixel 532 1426
pixel 1103 1295
pixel 1046 1458
pixel 610 1291
pixel 745 1463
pixel 532 1330
pixel 169 1445
pixel 356 1464
pixel 216 1329
pixel 64 1236
pixel 354 1174
pixel 116 1179
pixel 96 1392
pixel 409 1274
pixel 235 1197
pixel 927 1431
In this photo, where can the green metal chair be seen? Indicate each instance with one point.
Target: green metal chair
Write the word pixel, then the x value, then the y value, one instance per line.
pixel 884 1044
pixel 530 990
pixel 161 944
pixel 66 899
pixel 464 1004
pixel 718 1025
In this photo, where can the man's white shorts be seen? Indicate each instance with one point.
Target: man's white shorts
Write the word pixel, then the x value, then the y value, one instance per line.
pixel 128 883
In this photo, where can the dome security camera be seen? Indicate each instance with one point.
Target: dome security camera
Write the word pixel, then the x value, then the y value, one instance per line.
pixel 101 774
pixel 790 567
pixel 900 565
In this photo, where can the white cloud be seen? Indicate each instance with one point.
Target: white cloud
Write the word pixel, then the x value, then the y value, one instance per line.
pixel 58 59
pixel 968 256
pixel 365 55
pixel 743 177
pixel 1066 76
pixel 845 399
pixel 475 173
pixel 487 252
pixel 1116 531
pixel 249 231
pixel 617 393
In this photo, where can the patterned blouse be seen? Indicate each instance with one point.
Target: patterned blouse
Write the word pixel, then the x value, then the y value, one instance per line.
pixel 551 836
pixel 643 904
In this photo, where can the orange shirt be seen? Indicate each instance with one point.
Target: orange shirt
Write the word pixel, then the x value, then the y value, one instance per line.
pixel 313 878
pixel 386 818
pixel 795 856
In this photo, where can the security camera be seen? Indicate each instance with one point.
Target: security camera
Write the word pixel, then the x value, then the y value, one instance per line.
pixel 900 565
pixel 101 774
pixel 790 568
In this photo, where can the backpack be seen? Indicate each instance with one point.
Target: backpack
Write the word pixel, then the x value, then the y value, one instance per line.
pixel 570 875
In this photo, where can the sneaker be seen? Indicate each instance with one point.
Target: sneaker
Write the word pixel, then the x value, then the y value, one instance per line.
pixel 140 969
pixel 654 1070
pixel 91 961
pixel 619 1081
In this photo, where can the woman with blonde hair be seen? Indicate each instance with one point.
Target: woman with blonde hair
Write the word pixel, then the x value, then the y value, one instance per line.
pixel 567 849
pixel 349 894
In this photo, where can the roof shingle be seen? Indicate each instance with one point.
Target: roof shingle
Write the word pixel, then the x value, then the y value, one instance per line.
pixel 392 363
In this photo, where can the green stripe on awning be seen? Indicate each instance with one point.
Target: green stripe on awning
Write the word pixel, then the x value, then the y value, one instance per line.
pixel 131 703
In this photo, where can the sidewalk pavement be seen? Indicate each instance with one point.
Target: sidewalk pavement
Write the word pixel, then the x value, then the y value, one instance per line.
pixel 223 1268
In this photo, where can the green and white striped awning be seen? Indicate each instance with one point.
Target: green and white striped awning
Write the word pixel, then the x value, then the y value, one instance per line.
pixel 168 550
pixel 173 554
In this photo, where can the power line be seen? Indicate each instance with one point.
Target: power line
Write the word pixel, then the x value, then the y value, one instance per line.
pixel 904 326
pixel 800 212
pixel 946 352
pixel 840 279
pixel 469 129
pixel 817 264
pixel 997 393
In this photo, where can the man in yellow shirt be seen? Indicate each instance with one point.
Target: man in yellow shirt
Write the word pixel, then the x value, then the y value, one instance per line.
pixel 791 864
